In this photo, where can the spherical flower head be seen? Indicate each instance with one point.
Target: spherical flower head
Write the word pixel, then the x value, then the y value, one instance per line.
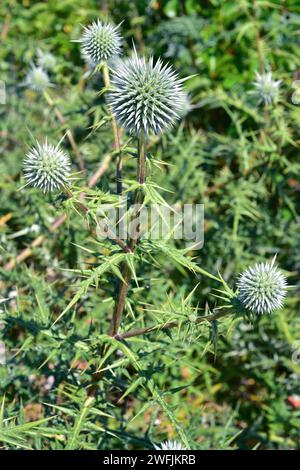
pixel 170 445
pixel 100 42
pixel 262 289
pixel 266 89
pixel 37 79
pixel 45 60
pixel 146 97
pixel 47 167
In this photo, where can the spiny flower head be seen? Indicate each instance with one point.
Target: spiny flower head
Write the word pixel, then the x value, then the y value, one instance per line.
pixel 45 60
pixel 37 79
pixel 262 288
pixel 47 167
pixel 266 89
pixel 146 97
pixel 170 445
pixel 100 41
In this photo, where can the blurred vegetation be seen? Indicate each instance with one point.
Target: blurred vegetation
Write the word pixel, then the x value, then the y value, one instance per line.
pixel 229 385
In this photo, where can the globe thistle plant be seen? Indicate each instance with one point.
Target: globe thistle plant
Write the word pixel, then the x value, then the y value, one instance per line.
pixel 37 79
pixel 170 445
pixel 266 89
pixel 45 60
pixel 146 97
pixel 47 167
pixel 262 289
pixel 100 42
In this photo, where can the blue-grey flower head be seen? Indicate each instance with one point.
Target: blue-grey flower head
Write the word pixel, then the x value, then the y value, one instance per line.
pixel 46 60
pixel 47 167
pixel 266 88
pixel 37 79
pixel 100 42
pixel 170 445
pixel 262 288
pixel 146 96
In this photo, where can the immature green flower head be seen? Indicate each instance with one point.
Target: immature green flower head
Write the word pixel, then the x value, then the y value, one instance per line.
pixel 45 60
pixel 146 96
pixel 266 89
pixel 262 289
pixel 170 445
pixel 47 167
pixel 100 42
pixel 37 79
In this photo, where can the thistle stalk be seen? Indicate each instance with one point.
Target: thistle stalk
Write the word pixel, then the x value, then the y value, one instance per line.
pixel 142 92
pixel 116 133
pixel 141 175
pixel 124 285
pixel 171 324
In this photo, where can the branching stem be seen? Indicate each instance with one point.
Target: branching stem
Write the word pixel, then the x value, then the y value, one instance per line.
pixel 169 325
pixel 84 210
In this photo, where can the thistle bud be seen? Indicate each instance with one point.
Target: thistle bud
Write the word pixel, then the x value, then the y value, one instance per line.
pixel 37 79
pixel 47 167
pixel 170 445
pixel 100 42
pixel 262 289
pixel 266 89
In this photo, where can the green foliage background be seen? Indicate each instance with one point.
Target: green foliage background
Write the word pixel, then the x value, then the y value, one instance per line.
pixel 228 385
